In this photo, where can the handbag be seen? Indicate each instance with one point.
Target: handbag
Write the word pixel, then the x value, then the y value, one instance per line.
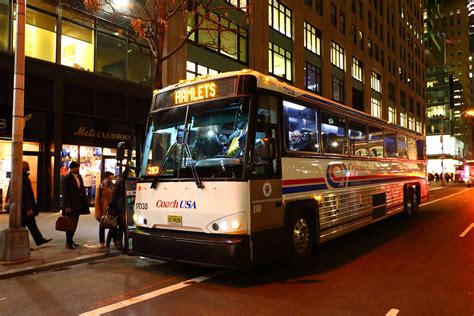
pixel 108 221
pixel 66 224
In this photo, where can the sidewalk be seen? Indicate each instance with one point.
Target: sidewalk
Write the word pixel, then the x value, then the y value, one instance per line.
pixel 54 254
pixel 433 184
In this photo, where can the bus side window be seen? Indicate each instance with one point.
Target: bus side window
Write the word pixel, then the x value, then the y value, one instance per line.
pixel 333 131
pixel 412 150
pixel 267 120
pixel 301 127
pixel 375 142
pixel 402 146
pixel 358 139
pixel 390 144
pixel 420 148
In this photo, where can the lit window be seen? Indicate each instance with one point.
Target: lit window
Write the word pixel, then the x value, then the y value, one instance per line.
pixel 221 35
pixel 357 69
pixel 411 123
pixel 403 119
pixel 40 35
pixel 392 115
pixel 279 61
pixel 375 82
pixel 279 17
pixel 337 55
pixel 77 46
pixel 242 4
pixel 193 70
pixel 376 107
pixel 312 38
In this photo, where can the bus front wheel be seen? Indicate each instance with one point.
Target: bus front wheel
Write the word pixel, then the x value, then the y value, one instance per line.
pixel 300 236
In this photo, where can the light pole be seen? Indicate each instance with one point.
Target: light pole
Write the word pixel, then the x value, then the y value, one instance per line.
pixel 442 150
pixel 15 243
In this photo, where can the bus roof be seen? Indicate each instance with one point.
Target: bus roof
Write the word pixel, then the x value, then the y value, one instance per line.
pixel 272 83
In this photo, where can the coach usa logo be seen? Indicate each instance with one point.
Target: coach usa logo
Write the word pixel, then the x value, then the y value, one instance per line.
pixel 337 175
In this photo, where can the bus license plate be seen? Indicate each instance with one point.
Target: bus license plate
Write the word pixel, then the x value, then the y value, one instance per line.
pixel 175 220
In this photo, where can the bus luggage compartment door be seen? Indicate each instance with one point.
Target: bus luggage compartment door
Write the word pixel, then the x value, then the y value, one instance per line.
pixel 379 205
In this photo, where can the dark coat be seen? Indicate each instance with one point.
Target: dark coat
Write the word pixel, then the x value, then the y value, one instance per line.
pixel 28 201
pixel 117 202
pixel 73 196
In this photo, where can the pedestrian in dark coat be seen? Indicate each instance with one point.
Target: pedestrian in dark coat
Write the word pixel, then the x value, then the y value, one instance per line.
pixel 29 208
pixel 117 208
pixel 75 202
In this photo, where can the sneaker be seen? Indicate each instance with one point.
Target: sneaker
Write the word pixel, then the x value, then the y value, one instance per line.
pixel 107 250
pixel 102 245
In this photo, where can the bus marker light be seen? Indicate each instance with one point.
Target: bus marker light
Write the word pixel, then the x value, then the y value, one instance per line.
pixel 235 224
pixel 135 218
pixel 215 226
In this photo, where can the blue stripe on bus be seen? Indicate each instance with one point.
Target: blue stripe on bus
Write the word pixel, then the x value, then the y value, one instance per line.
pixel 304 188
pixel 353 183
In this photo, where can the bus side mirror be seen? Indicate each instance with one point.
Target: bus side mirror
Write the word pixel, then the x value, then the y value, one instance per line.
pixel 120 151
pixel 267 148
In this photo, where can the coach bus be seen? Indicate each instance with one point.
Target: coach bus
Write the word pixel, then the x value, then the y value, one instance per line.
pixel 239 168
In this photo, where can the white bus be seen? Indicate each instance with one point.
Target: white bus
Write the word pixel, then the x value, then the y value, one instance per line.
pixel 240 168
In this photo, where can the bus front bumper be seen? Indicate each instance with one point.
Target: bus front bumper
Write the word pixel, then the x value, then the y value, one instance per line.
pixel 197 248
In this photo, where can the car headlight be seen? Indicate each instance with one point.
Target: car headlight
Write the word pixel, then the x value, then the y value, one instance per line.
pixel 231 224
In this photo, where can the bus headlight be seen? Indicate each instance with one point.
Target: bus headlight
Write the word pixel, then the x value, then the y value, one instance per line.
pixel 232 224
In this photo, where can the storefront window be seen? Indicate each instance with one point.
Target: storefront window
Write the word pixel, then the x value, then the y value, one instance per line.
pixel 6 167
pixel 139 65
pixel 77 46
pixel 4 24
pixel 40 35
pixel 110 56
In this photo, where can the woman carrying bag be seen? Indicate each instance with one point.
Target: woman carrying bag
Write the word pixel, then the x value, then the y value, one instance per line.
pixel 102 200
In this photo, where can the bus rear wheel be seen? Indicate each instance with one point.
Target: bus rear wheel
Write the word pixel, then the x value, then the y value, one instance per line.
pixel 300 236
pixel 411 202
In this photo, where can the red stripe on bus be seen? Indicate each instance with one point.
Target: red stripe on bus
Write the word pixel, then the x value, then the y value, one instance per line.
pixel 303 181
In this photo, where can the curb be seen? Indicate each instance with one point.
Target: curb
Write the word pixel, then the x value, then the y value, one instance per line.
pixel 56 264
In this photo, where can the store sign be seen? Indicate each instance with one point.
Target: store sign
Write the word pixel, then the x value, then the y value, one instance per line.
pixel 90 132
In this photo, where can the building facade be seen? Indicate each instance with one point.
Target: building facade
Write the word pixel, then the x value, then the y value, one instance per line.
pixel 365 54
pixel 87 88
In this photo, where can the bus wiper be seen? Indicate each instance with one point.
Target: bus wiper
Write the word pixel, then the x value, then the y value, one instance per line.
pixel 196 177
pixel 154 184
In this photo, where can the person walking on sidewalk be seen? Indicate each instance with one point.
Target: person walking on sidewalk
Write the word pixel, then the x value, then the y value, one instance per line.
pixel 102 200
pixel 75 202
pixel 29 208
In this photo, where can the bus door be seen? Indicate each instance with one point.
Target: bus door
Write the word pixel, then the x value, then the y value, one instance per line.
pixel 267 211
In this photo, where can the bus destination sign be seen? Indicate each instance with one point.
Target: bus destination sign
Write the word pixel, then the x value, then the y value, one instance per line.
pixel 196 93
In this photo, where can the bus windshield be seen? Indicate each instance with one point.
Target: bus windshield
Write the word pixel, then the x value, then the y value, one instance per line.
pixel 209 137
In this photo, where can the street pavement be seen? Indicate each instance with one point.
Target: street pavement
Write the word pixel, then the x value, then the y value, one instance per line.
pixel 54 254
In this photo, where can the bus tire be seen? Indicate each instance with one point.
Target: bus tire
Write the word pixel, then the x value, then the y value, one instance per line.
pixel 300 234
pixel 411 202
